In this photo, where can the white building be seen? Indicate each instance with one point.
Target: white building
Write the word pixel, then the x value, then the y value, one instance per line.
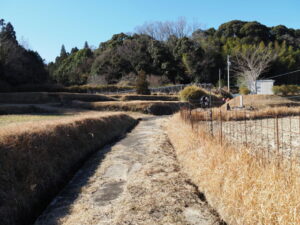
pixel 263 87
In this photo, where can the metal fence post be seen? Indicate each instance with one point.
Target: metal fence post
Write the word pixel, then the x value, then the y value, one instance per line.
pixel 277 134
pixel 221 128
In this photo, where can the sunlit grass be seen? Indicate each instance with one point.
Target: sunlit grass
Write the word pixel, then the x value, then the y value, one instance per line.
pixel 10 119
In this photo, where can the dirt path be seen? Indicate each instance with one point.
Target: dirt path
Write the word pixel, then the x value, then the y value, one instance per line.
pixel 135 181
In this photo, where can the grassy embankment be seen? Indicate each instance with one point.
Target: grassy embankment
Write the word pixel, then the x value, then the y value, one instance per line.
pixel 241 187
pixel 151 107
pixel 149 98
pixel 49 97
pixel 265 101
pixel 268 112
pixel 37 159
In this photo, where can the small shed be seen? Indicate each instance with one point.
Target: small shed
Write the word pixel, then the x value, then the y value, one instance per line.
pixel 262 87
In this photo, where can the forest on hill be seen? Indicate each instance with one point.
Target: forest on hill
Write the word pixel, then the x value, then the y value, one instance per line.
pixel 168 52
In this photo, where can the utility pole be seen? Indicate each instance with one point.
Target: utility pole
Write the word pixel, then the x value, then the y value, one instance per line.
pixel 219 79
pixel 228 72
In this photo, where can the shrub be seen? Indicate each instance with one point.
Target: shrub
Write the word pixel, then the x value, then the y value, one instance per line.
pixel 244 90
pixel 142 84
pixel 191 93
pixel 286 89
pixel 276 90
pixel 224 93
pixel 293 89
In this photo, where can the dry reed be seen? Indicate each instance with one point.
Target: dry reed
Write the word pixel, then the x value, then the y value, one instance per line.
pixel 239 185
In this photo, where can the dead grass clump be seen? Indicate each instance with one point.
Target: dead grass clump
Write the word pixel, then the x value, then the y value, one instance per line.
pixel 151 107
pixel 239 185
pixel 38 159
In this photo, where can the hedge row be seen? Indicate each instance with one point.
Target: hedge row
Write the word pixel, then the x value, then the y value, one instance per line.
pixel 286 89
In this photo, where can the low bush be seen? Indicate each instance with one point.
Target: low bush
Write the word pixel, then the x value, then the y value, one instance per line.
pixel 142 85
pixel 243 90
pixel 192 93
pixel 39 158
pixel 286 89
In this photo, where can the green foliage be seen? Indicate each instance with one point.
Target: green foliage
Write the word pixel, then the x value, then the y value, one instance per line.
pixel 177 59
pixel 142 84
pixel 74 69
pixel 191 93
pixel 244 90
pixel 17 64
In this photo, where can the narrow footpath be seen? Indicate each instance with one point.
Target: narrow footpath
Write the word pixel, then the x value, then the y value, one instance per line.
pixel 135 181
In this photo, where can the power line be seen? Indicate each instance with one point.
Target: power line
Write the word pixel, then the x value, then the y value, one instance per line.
pixel 280 75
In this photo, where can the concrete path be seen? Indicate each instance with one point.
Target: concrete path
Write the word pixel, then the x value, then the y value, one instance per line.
pixel 135 181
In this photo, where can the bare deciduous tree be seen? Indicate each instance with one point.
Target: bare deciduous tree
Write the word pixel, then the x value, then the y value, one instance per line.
pixel 163 30
pixel 250 62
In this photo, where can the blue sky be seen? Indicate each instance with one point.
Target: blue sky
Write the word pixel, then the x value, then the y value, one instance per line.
pixel 46 25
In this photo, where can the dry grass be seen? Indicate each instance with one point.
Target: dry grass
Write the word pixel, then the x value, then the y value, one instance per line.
pixel 217 113
pixel 149 98
pixel 151 107
pixel 37 158
pixel 12 119
pixel 22 109
pixel 46 97
pixel 264 101
pixel 237 184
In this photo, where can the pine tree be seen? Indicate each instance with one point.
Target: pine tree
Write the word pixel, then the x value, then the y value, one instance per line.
pixel 63 52
pixel 74 50
pixel 86 45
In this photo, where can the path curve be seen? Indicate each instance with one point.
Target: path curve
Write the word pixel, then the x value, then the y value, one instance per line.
pixel 135 181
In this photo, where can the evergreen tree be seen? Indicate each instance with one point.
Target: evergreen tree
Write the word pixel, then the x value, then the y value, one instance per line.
pixel 74 50
pixel 86 45
pixel 63 52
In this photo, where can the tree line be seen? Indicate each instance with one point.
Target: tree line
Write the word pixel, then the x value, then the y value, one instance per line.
pixel 168 52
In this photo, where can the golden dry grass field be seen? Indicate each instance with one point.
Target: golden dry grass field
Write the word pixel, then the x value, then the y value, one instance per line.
pixel 243 187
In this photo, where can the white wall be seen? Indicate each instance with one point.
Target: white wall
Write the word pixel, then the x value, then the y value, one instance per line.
pixel 263 87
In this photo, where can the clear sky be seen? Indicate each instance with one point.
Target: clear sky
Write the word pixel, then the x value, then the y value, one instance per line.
pixel 47 24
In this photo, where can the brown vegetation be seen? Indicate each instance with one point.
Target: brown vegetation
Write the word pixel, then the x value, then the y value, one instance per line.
pixel 151 107
pixel 264 101
pixel 149 98
pixel 23 109
pixel 242 188
pixel 269 112
pixel 38 158
pixel 45 97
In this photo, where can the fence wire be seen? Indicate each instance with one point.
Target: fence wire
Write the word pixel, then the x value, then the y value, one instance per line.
pixel 267 135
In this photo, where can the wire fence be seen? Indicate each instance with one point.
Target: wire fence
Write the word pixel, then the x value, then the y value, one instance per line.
pixel 267 135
